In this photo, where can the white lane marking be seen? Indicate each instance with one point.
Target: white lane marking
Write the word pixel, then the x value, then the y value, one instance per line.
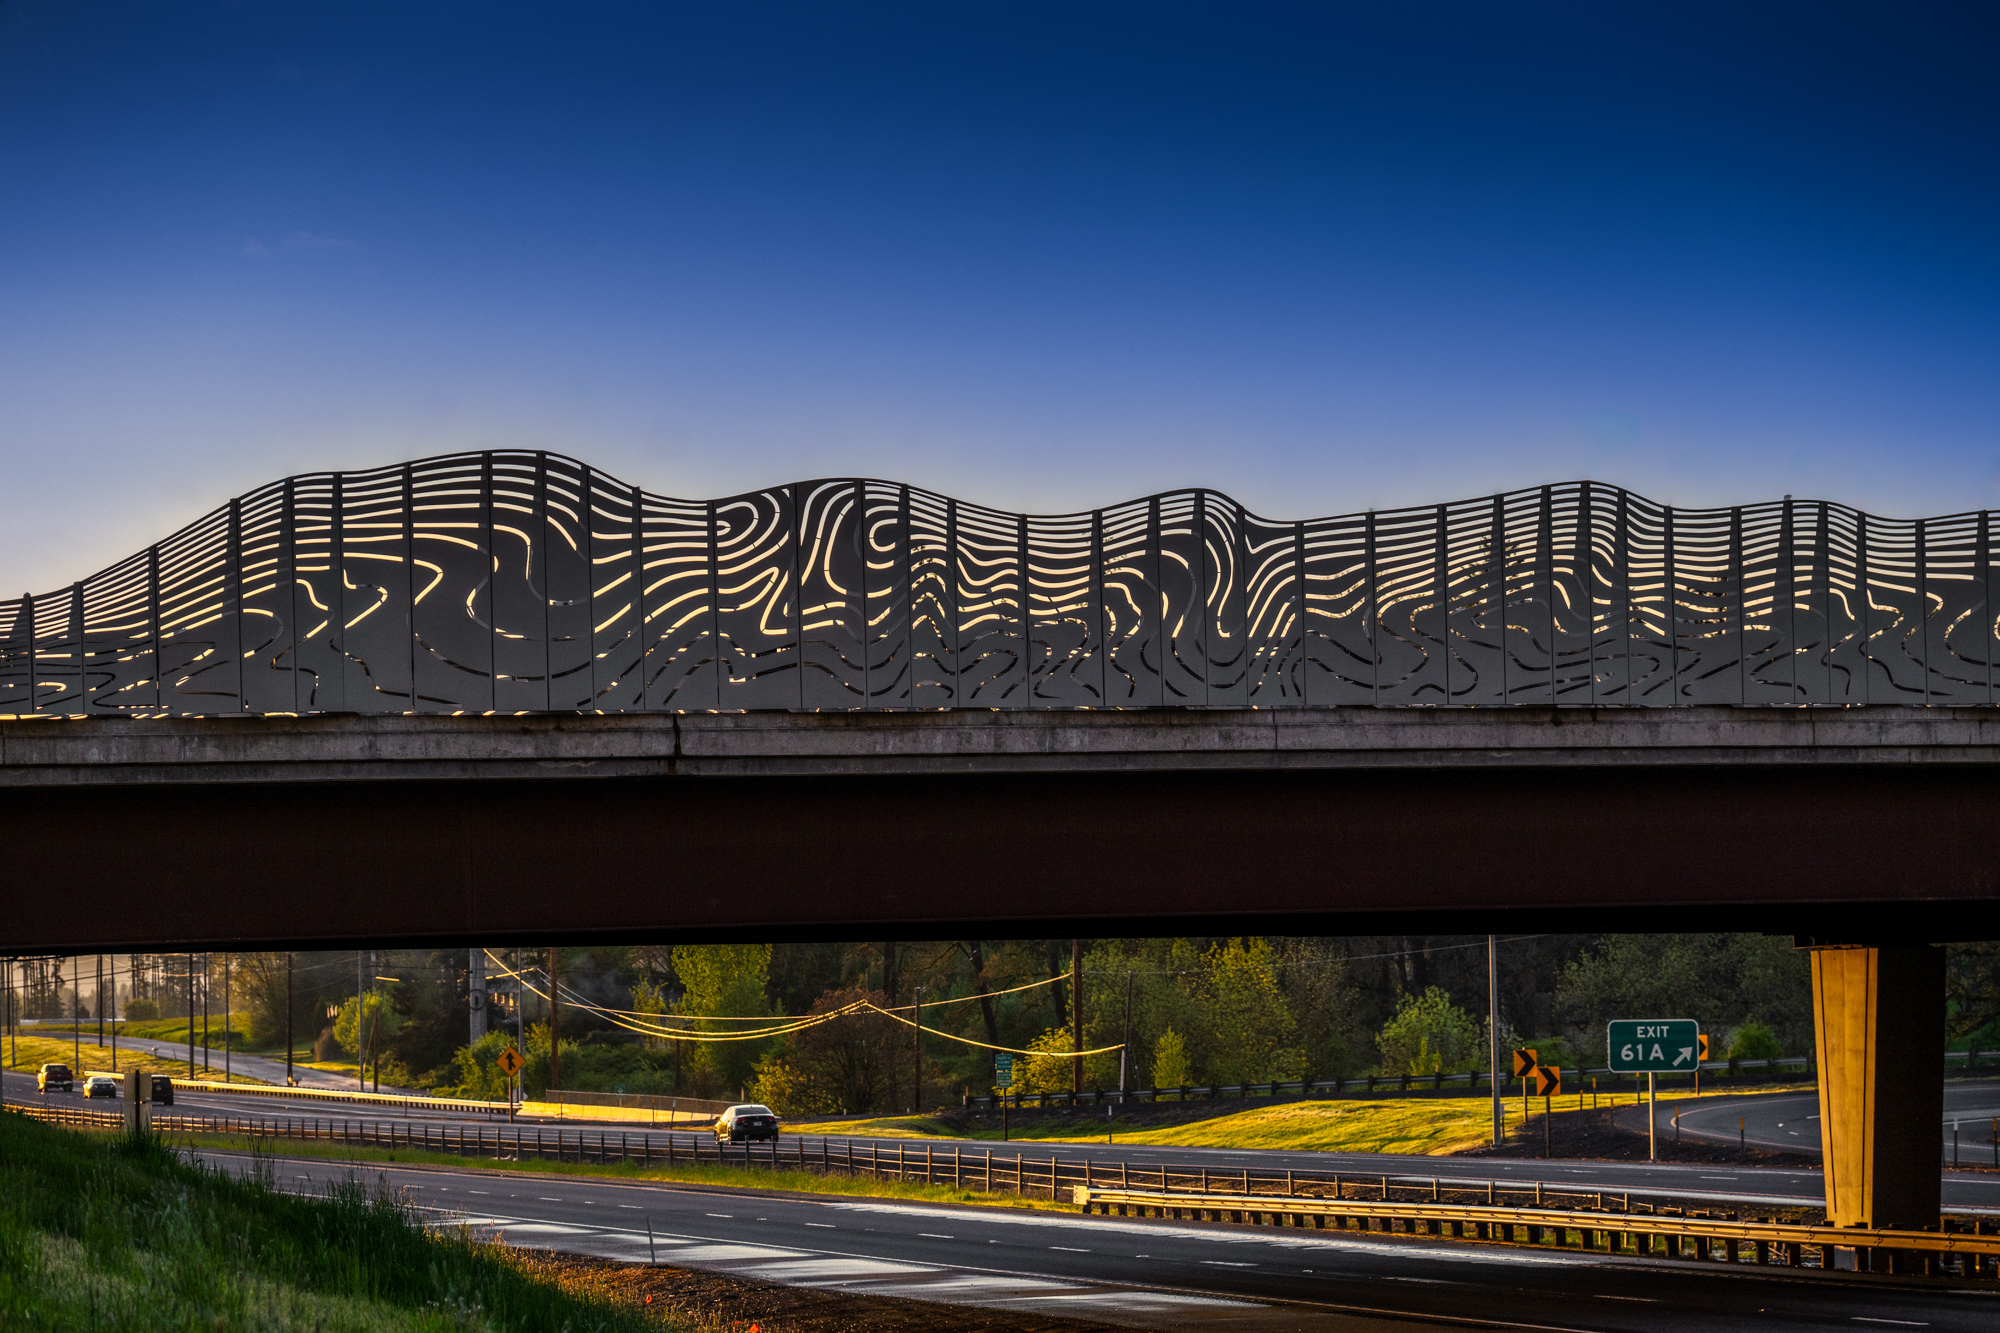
pixel 1071 1249
pixel 936 1235
pixel 468 1191
pixel 1906 1323
pixel 633 1206
pixel 827 1225
pixel 719 1214
pixel 546 1199
pixel 1224 1263
pixel 1647 1299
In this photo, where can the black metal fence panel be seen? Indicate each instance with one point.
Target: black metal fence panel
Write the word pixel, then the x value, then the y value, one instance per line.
pixel 514 581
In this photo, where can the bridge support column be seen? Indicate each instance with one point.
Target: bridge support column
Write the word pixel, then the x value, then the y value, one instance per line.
pixel 1878 1018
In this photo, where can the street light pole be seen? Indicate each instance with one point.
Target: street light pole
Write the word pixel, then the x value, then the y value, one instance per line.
pixel 290 1042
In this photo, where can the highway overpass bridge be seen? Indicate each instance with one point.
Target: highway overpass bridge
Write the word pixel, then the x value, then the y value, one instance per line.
pixel 502 695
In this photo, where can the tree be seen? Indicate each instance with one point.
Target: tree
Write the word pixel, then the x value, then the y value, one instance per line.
pixel 839 1067
pixel 1430 1035
pixel 724 981
pixel 1719 980
pixel 1170 1062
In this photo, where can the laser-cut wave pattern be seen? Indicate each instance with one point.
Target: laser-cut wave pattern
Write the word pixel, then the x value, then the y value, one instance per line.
pixel 528 582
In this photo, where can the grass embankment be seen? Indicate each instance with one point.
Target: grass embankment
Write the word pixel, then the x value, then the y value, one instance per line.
pixel 102 1232
pixel 1427 1126
pixel 707 1174
pixel 36 1051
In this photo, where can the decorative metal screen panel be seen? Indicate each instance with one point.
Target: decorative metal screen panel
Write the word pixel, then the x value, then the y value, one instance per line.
pixel 527 582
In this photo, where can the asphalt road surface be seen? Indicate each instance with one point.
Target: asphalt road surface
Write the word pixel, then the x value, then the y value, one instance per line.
pixel 1963 1191
pixel 1143 1273
pixel 1791 1121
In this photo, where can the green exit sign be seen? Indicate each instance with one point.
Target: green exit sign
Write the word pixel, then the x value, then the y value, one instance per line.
pixel 1654 1045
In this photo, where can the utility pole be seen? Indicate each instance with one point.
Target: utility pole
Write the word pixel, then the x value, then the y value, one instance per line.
pixel 475 991
pixel 227 1064
pixel 190 998
pixel 1076 1015
pixel 889 994
pixel 207 975
pixel 360 1013
pixel 76 1012
pixel 100 999
pixel 917 1082
pixel 289 1043
pixel 1493 1032
pixel 555 1045
pixel 1125 1051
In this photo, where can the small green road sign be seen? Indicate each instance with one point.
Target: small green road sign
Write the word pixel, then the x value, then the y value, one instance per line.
pixel 1654 1045
pixel 1003 1071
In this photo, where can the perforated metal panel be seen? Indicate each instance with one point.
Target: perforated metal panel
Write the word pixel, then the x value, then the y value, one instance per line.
pixel 528 582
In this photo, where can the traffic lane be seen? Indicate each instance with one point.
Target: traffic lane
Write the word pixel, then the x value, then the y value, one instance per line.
pixel 1791 1121
pixel 959 1254
pixel 1739 1185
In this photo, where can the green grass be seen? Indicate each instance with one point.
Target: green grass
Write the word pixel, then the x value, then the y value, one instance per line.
pixel 36 1051
pixel 1428 1126
pixel 102 1232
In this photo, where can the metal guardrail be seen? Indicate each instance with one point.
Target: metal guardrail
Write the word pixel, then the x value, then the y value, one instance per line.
pixel 376 592
pixel 383 1099
pixel 1654 1234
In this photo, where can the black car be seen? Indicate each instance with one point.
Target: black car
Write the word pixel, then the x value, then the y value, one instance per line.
pixel 163 1090
pixel 747 1121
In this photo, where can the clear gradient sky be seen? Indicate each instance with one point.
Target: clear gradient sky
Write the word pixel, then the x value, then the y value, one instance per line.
pixel 1044 256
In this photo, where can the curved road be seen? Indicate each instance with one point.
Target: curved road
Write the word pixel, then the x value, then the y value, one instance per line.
pixel 1790 1121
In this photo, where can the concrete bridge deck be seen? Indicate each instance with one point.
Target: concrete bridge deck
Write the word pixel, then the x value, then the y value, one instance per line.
pixel 235 832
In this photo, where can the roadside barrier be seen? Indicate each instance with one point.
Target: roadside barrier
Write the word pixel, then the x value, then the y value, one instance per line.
pixel 1971 1254
pixel 382 1099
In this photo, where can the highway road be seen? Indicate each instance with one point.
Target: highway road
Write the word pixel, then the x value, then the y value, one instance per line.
pixel 1791 1121
pixel 1963 1191
pixel 1143 1273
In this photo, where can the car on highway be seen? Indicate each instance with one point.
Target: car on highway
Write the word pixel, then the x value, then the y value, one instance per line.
pixel 162 1090
pixel 746 1121
pixel 54 1078
pixel 101 1085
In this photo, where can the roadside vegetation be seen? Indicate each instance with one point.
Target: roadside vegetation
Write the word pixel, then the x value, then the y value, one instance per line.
pixel 1417 1125
pixel 734 1022
pixel 29 1053
pixel 101 1232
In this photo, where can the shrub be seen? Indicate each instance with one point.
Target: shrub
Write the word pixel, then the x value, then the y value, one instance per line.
pixel 1170 1062
pixel 1754 1041
pixel 1429 1035
pixel 141 1010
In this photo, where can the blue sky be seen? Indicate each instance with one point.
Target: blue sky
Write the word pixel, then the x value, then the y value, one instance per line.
pixel 1041 256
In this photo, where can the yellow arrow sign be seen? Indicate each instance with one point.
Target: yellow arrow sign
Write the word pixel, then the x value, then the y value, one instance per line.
pixel 1524 1062
pixel 511 1062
